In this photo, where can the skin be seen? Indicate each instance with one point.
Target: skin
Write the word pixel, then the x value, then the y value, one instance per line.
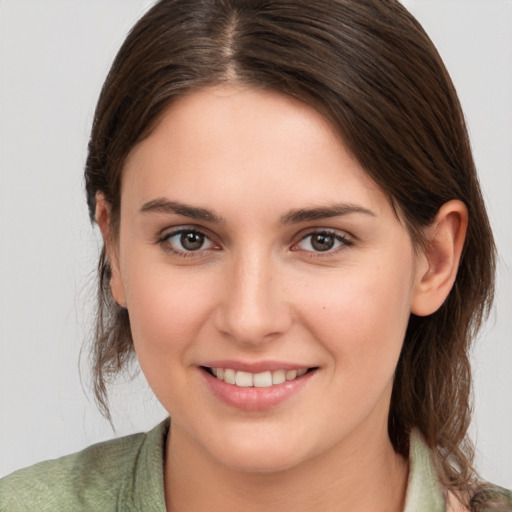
pixel 257 290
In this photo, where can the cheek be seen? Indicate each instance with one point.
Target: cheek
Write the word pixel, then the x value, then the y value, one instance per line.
pixel 168 311
pixel 167 308
pixel 361 319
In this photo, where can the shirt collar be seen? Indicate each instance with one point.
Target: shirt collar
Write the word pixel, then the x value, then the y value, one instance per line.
pixel 424 492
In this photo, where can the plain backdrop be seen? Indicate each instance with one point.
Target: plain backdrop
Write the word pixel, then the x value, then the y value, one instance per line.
pixel 54 56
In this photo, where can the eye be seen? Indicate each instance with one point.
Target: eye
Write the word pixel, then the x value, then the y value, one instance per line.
pixel 322 241
pixel 186 240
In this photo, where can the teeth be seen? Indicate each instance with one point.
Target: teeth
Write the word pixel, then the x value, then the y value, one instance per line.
pixel 291 374
pixel 257 380
pixel 229 376
pixel 243 379
pixel 278 377
pixel 262 380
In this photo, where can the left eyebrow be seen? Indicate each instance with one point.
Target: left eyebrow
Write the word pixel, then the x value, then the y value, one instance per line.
pixel 323 212
pixel 162 205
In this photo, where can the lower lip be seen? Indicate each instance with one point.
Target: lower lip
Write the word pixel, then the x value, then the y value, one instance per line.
pixel 252 398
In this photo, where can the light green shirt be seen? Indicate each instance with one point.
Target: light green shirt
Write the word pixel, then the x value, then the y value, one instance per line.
pixel 127 474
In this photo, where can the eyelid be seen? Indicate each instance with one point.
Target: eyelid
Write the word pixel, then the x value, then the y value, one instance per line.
pixel 179 228
pixel 165 234
pixel 346 240
pixel 343 237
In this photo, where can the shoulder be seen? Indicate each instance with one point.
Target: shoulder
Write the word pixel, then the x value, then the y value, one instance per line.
pixel 92 475
pixel 491 498
pixel 426 492
pixel 486 497
pixel 93 479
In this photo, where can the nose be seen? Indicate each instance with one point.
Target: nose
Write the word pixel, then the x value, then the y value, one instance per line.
pixel 254 309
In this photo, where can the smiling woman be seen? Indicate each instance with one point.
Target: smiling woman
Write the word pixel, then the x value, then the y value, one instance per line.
pixel 297 253
pixel 242 291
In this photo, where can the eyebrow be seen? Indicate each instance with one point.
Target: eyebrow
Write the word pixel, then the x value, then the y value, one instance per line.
pixel 163 205
pixel 323 212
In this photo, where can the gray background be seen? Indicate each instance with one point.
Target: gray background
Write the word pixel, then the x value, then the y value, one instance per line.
pixel 53 58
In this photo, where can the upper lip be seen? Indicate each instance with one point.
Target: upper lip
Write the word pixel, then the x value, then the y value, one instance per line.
pixel 255 366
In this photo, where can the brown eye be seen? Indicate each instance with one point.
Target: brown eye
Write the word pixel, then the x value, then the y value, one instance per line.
pixel 322 242
pixel 191 240
pixel 186 241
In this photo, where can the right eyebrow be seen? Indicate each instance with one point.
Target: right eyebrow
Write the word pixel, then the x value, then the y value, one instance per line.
pixel 323 212
pixel 163 205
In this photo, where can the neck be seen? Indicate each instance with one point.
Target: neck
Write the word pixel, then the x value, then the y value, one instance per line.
pixel 359 475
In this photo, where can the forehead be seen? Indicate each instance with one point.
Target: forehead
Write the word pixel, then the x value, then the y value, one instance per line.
pixel 224 110
pixel 247 145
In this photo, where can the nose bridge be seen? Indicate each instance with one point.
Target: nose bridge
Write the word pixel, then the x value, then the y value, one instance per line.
pixel 253 310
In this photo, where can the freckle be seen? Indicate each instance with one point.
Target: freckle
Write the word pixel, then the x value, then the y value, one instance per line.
pixel 323 307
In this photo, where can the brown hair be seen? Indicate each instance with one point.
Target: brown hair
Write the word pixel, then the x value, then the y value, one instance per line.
pixel 371 69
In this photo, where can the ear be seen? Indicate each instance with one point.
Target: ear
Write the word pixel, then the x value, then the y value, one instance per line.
pixel 103 219
pixel 439 263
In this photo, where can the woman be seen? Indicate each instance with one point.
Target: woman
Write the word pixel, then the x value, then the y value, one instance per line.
pixel 297 251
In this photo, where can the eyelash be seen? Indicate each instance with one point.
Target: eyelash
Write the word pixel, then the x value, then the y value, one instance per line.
pixel 166 245
pixel 344 242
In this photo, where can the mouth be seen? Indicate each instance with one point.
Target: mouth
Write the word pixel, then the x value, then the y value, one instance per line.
pixel 265 379
pixel 256 386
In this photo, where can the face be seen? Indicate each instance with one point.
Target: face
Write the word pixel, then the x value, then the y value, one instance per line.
pixel 268 280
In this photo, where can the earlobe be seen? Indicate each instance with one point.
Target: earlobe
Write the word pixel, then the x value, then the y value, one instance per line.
pixel 440 259
pixel 103 219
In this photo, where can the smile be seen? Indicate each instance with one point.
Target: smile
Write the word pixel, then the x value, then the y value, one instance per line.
pixel 266 386
pixel 258 380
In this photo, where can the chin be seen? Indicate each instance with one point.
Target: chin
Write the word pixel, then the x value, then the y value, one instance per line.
pixel 259 453
pixel 259 461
